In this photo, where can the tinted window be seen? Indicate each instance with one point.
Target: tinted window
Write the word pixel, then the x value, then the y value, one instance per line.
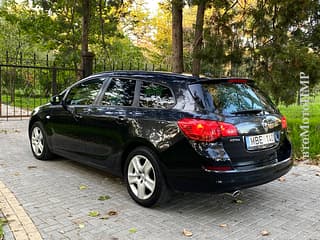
pixel 120 92
pixel 84 93
pixel 230 98
pixel 154 95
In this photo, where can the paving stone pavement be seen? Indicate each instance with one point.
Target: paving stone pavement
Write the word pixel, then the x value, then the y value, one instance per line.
pixel 50 194
pixel 7 110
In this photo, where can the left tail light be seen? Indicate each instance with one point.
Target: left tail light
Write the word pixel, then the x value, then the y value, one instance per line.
pixel 206 130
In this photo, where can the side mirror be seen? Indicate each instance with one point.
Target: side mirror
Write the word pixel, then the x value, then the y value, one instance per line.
pixel 55 100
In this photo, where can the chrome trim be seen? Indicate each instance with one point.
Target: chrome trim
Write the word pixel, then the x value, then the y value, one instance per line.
pixel 284 162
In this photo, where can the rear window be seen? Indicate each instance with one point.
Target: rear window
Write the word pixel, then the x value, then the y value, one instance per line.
pixel 231 98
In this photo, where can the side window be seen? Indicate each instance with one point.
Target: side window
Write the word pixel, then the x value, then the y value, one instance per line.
pixel 120 92
pixel 84 93
pixel 154 95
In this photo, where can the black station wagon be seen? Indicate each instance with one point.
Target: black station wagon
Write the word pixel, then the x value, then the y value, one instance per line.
pixel 164 131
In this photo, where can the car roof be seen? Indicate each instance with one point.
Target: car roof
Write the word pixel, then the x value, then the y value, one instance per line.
pixel 165 76
pixel 148 74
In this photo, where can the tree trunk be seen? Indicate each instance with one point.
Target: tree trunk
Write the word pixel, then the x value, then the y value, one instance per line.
pixel 177 37
pixel 197 44
pixel 86 57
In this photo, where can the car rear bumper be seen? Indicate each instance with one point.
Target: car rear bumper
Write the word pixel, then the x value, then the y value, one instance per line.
pixel 227 181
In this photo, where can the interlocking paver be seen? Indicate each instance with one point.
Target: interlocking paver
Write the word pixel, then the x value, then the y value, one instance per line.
pixel 49 193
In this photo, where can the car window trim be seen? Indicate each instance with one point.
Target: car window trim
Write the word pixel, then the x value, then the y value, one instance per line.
pixel 103 90
pixel 137 89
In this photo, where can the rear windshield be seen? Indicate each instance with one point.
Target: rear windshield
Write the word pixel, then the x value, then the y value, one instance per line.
pixel 231 98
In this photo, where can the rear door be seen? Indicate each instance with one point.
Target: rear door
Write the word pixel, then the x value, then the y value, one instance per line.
pixel 110 122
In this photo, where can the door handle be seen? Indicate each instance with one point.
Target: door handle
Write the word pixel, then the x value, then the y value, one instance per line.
pixel 121 118
pixel 77 116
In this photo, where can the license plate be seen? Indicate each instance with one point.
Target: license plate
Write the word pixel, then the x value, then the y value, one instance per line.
pixel 260 141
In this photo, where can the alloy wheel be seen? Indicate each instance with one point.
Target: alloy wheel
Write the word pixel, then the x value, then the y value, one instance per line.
pixel 37 141
pixel 141 177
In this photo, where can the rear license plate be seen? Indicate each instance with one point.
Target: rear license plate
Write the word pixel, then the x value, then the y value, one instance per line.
pixel 260 141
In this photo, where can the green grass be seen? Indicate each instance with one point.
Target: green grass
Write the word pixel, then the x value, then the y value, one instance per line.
pixel 27 103
pixel 293 114
pixel 2 223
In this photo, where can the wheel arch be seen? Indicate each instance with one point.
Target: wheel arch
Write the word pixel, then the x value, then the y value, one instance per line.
pixel 133 145
pixel 31 122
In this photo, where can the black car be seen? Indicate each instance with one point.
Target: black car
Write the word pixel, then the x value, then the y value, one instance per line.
pixel 165 131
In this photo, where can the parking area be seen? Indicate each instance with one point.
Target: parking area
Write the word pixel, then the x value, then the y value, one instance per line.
pixel 66 200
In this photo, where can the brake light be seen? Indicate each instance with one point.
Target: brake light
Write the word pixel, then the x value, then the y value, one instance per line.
pixel 237 81
pixel 228 130
pixel 206 130
pixel 284 122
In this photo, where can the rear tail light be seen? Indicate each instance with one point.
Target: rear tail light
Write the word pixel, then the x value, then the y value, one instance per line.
pixel 284 122
pixel 206 130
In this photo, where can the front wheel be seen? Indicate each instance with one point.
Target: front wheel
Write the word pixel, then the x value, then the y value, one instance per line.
pixel 143 177
pixel 38 141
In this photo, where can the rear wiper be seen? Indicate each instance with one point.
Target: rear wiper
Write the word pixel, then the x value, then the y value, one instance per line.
pixel 248 111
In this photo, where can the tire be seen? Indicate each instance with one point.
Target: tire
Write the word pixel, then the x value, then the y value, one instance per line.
pixel 145 182
pixel 39 143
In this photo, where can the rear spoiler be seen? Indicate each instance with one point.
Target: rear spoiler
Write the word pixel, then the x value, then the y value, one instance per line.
pixel 224 80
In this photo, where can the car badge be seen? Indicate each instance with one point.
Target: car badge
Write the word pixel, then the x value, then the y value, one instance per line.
pixel 265 125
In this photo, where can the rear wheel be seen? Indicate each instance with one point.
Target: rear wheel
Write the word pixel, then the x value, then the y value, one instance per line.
pixel 38 141
pixel 143 177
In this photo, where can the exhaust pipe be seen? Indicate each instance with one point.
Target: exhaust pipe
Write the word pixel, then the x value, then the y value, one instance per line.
pixel 236 194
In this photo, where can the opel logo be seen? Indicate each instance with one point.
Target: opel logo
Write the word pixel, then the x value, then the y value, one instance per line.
pixel 268 123
pixel 265 125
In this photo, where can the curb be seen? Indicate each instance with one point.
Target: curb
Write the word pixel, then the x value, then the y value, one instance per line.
pixel 19 222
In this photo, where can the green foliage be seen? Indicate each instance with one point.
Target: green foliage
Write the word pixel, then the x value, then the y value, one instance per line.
pixel 268 40
pixel 55 27
pixel 283 72
pixel 293 114
pixel 2 223
pixel 162 38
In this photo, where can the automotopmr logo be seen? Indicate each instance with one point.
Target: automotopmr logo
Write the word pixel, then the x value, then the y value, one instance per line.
pixel 304 100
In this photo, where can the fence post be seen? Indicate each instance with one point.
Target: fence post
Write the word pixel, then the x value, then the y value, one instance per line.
pixel 87 64
pixel 54 80
pixel 0 92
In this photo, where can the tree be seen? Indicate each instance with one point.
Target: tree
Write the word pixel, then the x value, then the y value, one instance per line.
pixel 86 56
pixel 162 37
pixel 56 26
pixel 198 38
pixel 177 36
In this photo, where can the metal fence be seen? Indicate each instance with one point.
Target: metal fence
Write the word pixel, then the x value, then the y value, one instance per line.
pixel 100 65
pixel 27 83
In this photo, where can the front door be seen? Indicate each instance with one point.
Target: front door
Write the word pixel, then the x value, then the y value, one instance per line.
pixel 67 121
